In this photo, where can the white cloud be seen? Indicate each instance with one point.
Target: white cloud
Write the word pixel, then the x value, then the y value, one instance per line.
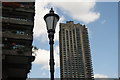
pixel 57 60
pixel 100 76
pixel 40 26
pixel 40 30
pixel 81 11
pixel 43 57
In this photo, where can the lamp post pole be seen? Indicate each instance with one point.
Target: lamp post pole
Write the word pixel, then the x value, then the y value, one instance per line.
pixel 51 63
pixel 51 20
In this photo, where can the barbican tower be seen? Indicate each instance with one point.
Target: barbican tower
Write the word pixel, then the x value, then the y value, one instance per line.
pixel 17 37
pixel 75 57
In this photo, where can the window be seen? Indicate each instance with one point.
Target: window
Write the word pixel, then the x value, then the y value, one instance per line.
pixel 17 46
pixel 20 32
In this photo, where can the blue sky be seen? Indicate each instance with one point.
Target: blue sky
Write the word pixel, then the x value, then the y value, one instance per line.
pixel 101 18
pixel 104 41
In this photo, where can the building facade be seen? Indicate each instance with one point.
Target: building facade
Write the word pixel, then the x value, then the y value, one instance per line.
pixel 75 57
pixel 17 37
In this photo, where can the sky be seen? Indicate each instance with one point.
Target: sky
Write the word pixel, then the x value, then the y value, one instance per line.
pixel 101 19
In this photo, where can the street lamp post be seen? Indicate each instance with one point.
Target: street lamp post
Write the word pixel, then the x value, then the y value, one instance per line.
pixel 51 20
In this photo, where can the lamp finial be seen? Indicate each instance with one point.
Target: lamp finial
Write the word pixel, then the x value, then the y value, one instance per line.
pixel 51 11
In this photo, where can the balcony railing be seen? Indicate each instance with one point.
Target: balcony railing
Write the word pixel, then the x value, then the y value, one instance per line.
pixel 17 36
pixel 17 21
pixel 22 9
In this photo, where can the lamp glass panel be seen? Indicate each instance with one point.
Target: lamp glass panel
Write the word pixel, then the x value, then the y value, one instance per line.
pixel 55 22
pixel 49 22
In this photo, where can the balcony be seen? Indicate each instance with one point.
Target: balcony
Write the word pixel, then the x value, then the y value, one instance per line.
pixel 17 36
pixel 21 9
pixel 17 21
pixel 16 52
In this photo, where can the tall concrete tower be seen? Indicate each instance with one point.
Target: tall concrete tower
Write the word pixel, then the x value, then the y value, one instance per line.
pixel 75 57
